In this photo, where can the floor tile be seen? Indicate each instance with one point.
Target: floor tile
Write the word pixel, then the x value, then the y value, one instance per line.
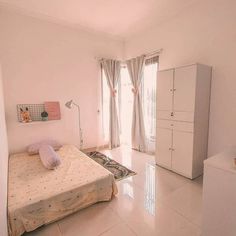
pixel 188 202
pixel 198 181
pixel 164 222
pixel 162 181
pixel 130 199
pixel 119 230
pixel 91 221
pixel 47 230
pixel 131 159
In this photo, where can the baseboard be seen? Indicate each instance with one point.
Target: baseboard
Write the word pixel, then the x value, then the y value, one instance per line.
pixel 99 148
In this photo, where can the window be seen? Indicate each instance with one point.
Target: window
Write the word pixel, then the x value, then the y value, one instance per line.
pixel 106 105
pixel 149 103
pixel 125 104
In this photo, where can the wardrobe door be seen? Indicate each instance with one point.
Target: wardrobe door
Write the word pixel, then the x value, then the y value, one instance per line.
pixel 165 90
pixel 182 155
pixel 184 88
pixel 163 147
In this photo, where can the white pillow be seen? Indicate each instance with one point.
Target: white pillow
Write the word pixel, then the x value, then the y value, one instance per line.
pixel 49 157
pixel 34 148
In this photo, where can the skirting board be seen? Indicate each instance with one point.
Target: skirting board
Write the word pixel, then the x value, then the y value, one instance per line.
pixel 92 149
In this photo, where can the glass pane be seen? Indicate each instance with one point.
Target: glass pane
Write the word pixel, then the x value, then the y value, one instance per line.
pixel 126 106
pixel 149 105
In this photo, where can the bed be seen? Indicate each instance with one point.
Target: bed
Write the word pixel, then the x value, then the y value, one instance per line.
pixel 38 196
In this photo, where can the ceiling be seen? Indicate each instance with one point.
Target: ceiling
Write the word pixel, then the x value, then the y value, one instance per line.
pixel 119 18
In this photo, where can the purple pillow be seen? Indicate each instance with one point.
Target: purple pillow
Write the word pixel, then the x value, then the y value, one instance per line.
pixel 34 148
pixel 49 157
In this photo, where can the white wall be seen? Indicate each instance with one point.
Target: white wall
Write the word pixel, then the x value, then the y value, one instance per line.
pixel 204 33
pixel 43 61
pixel 3 165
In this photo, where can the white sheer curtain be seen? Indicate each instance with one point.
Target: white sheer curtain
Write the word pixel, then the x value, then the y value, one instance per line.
pixel 135 67
pixel 112 73
pixel 149 103
pixel 126 106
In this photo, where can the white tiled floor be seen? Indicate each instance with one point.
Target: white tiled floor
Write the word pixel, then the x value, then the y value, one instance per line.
pixel 153 202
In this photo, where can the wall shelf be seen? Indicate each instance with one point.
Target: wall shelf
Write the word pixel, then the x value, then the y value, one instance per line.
pixel 37 122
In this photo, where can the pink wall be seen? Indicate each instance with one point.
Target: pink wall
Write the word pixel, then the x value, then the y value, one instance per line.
pixel 43 61
pixel 204 33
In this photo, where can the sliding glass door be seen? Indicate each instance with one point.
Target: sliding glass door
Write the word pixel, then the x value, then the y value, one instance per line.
pixel 149 104
pixel 125 104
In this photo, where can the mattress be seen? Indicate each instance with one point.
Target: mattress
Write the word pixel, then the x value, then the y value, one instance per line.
pixel 38 196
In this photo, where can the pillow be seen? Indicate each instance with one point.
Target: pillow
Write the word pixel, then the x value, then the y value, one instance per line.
pixel 34 148
pixel 49 157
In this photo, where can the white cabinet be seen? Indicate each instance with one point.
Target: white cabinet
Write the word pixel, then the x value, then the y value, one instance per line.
pixel 182 151
pixel 183 96
pixel 164 144
pixel 184 88
pixel 219 195
pixel 164 90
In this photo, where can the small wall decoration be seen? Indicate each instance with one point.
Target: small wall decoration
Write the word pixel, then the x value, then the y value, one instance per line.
pixel 38 112
pixel 53 110
pixel 25 115
pixel 44 116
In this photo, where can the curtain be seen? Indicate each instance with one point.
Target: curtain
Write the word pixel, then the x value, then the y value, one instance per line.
pixel 135 67
pixel 112 71
pixel 149 103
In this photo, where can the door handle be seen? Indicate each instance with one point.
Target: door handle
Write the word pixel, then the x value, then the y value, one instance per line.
pixel 172 113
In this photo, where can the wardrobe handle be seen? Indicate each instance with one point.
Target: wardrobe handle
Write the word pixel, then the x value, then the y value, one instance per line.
pixel 172 113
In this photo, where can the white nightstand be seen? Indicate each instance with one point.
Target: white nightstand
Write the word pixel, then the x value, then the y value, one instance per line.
pixel 219 195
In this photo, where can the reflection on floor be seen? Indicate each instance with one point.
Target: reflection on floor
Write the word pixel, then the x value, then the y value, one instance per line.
pixel 153 202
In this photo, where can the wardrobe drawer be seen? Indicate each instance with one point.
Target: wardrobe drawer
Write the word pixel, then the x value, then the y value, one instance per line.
pixel 168 124
pixel 183 116
pixel 183 126
pixel 176 115
pixel 175 125
pixel 165 115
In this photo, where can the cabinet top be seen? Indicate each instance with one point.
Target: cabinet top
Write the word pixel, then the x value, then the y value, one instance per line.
pixel 193 64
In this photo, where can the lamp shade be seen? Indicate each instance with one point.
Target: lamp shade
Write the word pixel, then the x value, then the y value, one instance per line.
pixel 69 104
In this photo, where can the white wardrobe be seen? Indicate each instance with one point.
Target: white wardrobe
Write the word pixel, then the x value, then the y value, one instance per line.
pixel 183 101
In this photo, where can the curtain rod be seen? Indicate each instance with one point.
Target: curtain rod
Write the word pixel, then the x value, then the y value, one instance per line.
pixel 154 53
pixel 147 55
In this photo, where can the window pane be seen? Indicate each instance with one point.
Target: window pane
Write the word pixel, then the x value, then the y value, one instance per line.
pixel 149 105
pixel 126 106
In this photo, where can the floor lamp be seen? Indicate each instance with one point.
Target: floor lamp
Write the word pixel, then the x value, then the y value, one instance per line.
pixel 69 105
